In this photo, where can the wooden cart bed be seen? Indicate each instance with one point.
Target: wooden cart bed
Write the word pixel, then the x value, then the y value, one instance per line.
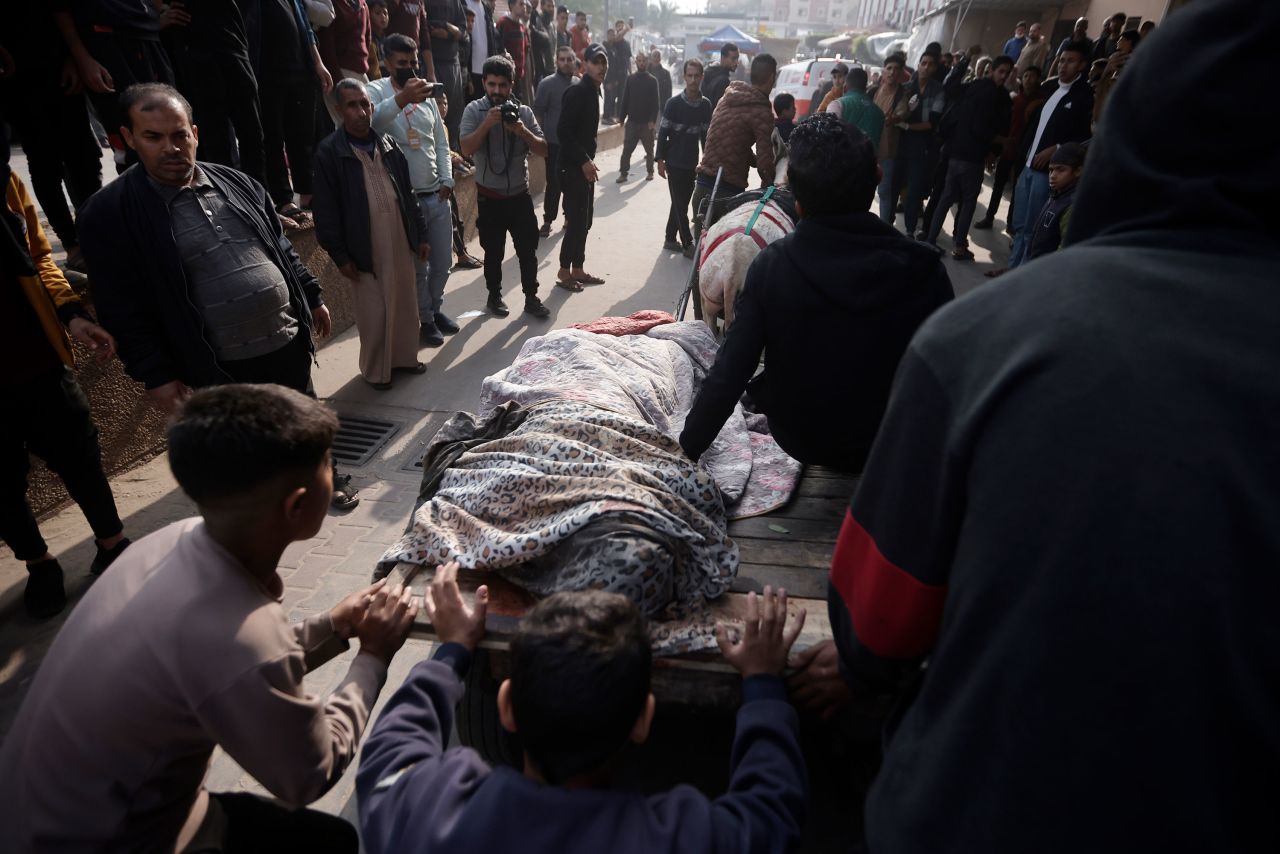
pixel 790 547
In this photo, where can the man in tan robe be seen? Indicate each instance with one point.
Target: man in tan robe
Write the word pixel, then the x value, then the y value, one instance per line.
pixel 371 225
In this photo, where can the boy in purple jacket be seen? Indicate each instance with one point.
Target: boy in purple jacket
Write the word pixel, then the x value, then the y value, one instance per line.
pixel 578 693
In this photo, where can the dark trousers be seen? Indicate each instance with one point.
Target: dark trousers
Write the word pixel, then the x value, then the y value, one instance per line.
pixel 128 60
pixel 223 93
pixel 256 825
pixel 450 74
pixel 49 417
pixel 1006 171
pixel 290 366
pixel 632 133
pixel 937 184
pixel 60 146
pixel 579 209
pixel 964 183
pixel 288 112
pixel 551 198
pixel 459 233
pixel 912 171
pixel 680 183
pixel 612 91
pixel 497 217
pixel 702 187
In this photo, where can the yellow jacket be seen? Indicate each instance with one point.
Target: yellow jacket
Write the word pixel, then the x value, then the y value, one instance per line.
pixel 48 291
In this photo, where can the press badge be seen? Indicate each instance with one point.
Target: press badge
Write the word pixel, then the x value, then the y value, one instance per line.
pixel 415 138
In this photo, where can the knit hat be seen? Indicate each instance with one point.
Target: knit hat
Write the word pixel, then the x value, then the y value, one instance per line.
pixel 1068 154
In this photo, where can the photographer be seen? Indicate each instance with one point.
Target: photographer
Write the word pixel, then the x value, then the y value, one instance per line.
pixel 499 134
pixel 404 109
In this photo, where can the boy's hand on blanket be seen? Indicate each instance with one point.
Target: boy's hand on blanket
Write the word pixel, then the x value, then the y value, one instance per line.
pixel 454 622
pixel 762 645
pixel 387 621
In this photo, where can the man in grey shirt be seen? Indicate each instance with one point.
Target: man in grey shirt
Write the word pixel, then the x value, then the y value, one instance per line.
pixel 499 135
pixel 546 108
pixel 192 274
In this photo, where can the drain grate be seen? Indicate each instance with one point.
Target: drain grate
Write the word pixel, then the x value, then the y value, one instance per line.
pixel 359 438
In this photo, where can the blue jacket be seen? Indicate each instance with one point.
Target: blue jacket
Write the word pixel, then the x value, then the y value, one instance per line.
pixel 416 795
pixel 139 288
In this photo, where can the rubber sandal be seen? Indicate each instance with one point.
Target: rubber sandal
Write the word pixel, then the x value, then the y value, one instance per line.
pixel 343 500
pixel 585 278
pixel 569 285
pixel 417 368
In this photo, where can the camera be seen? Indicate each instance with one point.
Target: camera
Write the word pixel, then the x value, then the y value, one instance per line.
pixel 510 111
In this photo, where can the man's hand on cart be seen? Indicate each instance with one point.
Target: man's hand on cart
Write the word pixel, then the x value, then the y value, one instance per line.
pixel 817 685
pixel 454 622
pixel 761 646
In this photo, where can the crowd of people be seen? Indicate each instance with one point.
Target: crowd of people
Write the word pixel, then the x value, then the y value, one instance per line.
pixel 1057 564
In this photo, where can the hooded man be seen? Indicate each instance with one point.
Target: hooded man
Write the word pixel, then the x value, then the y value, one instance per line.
pixel 1070 509
pixel 831 306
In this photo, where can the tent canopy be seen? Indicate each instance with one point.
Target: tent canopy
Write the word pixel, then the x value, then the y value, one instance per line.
pixel 729 33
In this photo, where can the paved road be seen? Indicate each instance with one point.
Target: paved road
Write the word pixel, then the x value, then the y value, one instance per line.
pixel 624 248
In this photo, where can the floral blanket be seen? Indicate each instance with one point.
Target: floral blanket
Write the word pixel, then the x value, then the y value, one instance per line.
pixel 571 477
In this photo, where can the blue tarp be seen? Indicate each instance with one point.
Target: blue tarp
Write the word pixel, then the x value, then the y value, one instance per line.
pixel 729 33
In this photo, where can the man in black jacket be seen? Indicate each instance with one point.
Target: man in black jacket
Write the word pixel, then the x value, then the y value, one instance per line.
pixel 832 306
pixel 372 238
pixel 1070 509
pixel 979 117
pixel 579 123
pixel 720 75
pixel 1067 116
pixel 639 115
pixel 190 270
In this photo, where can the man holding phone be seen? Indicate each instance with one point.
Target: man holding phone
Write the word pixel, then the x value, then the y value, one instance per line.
pixel 404 109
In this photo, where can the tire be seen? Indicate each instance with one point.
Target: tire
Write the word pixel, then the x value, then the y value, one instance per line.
pixel 477 716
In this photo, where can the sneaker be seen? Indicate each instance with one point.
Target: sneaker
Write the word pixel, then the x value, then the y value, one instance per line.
pixel 445 323
pixel 689 250
pixel 105 557
pixel 44 594
pixel 545 231
pixel 984 224
pixel 649 177
pixel 496 306
pixel 672 246
pixel 962 253
pixel 534 306
pixel 622 178
pixel 430 336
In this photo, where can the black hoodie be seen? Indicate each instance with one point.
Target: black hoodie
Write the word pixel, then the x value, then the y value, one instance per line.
pixel 832 306
pixel 1072 509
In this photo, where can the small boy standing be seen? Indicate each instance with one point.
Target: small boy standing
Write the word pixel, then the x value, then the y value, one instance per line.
pixel 784 108
pixel 1051 226
pixel 578 693
pixel 183 647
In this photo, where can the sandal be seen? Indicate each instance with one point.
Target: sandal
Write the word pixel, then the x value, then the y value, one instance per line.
pixel 467 262
pixel 416 368
pixel 585 278
pixel 379 386
pixel 566 280
pixel 344 497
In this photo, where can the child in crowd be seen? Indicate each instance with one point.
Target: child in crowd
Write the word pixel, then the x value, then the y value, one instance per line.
pixel 379 20
pixel 1064 173
pixel 784 107
pixel 183 647
pixel 578 694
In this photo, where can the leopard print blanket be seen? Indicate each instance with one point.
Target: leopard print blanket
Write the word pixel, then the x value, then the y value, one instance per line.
pixel 590 488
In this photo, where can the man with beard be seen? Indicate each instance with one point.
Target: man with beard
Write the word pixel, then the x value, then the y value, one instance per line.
pixel 579 124
pixel 547 102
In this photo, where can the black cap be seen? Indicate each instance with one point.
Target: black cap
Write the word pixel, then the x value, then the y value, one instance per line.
pixel 595 51
pixel 840 68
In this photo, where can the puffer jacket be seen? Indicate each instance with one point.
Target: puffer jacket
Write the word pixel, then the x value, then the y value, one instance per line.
pixel 47 290
pixel 743 118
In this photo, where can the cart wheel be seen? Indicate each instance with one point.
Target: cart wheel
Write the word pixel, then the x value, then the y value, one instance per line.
pixel 477 716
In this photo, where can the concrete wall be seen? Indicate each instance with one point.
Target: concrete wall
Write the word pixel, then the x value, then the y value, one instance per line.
pixel 132 431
